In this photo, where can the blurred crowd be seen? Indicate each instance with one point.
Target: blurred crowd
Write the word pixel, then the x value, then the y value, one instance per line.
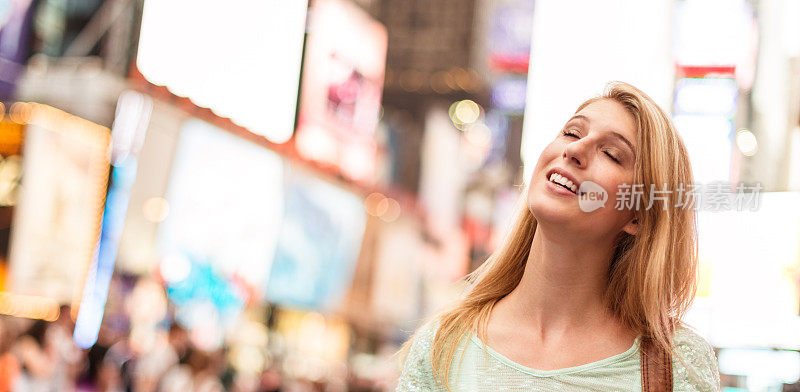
pixel 40 356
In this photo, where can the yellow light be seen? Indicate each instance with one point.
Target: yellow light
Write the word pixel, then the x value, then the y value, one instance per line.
pixel 247 359
pixel 372 202
pixel 382 207
pixel 391 210
pixel 20 112
pixel 312 321
pixel 29 306
pixel 462 78
pixel 439 82
pixel 466 112
pixel 155 209
pixel 450 80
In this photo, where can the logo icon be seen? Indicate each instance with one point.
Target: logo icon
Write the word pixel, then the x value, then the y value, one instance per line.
pixel 591 196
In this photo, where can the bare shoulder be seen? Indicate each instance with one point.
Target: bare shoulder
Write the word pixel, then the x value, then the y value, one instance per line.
pixel 694 364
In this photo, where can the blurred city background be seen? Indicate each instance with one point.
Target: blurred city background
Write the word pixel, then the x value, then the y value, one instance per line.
pixel 270 195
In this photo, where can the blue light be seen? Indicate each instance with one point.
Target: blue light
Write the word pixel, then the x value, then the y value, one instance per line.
pixel 95 292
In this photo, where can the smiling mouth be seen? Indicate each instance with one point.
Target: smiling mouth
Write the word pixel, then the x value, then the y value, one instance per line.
pixel 565 183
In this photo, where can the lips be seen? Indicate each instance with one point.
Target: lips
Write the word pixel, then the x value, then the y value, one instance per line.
pixel 564 174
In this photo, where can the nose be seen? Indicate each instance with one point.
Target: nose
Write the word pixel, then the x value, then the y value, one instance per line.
pixel 576 152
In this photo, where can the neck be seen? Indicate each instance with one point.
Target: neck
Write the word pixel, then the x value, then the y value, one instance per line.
pixel 563 285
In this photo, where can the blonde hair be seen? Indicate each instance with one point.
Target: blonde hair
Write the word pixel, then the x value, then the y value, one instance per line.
pixel 652 275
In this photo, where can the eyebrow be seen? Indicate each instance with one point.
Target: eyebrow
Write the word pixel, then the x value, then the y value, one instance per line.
pixel 615 134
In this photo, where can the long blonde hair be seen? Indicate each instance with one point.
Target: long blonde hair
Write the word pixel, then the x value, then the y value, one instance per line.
pixel 652 275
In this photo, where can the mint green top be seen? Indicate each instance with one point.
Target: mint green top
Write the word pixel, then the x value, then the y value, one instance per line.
pixel 694 368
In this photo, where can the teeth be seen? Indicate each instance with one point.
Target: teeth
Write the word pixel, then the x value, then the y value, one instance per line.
pixel 559 179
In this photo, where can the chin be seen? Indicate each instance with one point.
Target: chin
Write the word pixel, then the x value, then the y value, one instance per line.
pixel 545 209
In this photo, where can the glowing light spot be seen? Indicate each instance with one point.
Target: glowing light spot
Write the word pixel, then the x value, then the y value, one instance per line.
pixel 20 112
pixel 389 209
pixel 372 202
pixel 746 142
pixel 175 268
pixel 467 112
pixel 155 209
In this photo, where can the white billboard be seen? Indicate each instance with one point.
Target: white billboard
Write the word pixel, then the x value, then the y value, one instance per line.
pixel 240 58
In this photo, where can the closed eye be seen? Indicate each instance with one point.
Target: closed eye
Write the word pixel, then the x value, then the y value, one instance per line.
pixel 612 157
pixel 569 133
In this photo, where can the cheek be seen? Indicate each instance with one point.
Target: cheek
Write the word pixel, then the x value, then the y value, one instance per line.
pixel 613 176
pixel 625 181
pixel 552 151
pixel 619 187
pixel 612 186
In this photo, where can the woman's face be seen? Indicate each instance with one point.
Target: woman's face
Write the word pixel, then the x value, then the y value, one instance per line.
pixel 598 144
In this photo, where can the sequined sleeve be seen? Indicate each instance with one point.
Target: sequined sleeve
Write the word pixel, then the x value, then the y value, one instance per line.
pixel 695 369
pixel 417 373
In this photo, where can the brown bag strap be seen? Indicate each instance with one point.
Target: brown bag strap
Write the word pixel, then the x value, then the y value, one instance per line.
pixel 656 368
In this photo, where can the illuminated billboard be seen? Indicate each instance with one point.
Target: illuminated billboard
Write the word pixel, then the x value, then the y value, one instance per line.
pixel 341 88
pixel 318 244
pixel 749 291
pixel 225 203
pixel 57 218
pixel 241 59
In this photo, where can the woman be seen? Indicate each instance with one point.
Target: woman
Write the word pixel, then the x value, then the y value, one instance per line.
pixel 571 298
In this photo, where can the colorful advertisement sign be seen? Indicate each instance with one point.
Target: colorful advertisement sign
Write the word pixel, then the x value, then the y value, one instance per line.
pixel 57 218
pixel 318 244
pixel 225 202
pixel 341 88
pixel 510 36
pixel 703 114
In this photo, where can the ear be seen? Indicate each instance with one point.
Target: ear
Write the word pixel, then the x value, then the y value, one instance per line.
pixel 631 227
